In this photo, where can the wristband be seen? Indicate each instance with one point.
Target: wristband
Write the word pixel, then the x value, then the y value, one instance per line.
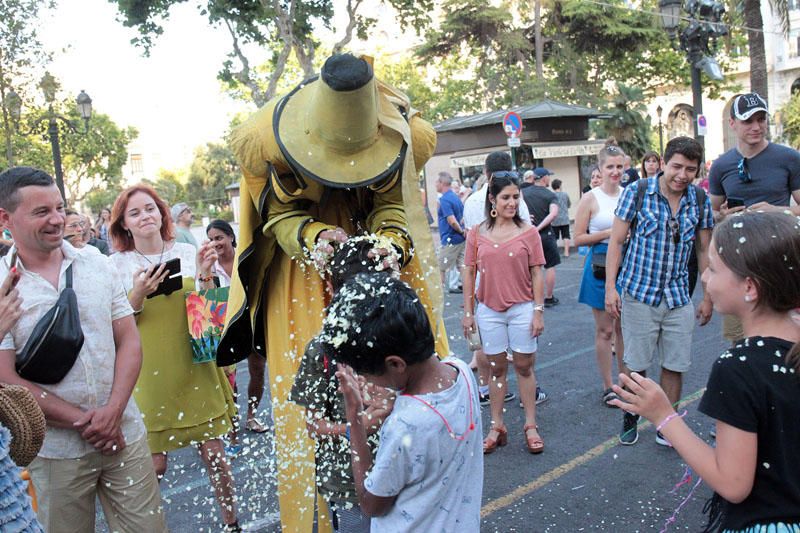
pixel 668 419
pixel 347 431
pixel 205 279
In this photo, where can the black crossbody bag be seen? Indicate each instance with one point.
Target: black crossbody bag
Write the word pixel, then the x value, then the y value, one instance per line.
pixel 55 342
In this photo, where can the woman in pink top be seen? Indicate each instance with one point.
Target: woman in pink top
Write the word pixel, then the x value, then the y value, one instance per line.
pixel 509 316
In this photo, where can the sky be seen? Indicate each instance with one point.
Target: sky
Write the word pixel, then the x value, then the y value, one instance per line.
pixel 172 97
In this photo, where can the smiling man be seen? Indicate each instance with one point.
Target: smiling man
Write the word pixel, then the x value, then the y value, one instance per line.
pixel 95 446
pixel 656 307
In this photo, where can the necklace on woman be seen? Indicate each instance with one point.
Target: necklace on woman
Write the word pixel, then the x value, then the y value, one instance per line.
pixel 160 257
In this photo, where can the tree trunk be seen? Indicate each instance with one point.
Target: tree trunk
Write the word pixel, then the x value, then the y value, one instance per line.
pixel 7 126
pixel 352 21
pixel 755 40
pixel 537 35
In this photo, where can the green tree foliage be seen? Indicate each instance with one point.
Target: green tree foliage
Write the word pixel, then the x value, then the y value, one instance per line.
pixel 214 167
pixel 91 160
pixel 790 121
pixel 628 124
pixel 169 186
pixel 97 199
pixel 285 29
pixel 20 53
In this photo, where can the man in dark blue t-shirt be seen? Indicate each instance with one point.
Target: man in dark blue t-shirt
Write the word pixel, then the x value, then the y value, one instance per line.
pixel 450 215
pixel 756 174
pixel 760 174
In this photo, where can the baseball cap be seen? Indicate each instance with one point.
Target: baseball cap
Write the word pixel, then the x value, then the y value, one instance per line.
pixel 540 172
pixel 747 105
pixel 177 209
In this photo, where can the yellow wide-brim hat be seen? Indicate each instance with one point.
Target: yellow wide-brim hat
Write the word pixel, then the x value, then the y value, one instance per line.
pixel 328 127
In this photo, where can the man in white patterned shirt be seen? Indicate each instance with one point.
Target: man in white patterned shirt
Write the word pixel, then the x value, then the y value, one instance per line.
pixel 96 444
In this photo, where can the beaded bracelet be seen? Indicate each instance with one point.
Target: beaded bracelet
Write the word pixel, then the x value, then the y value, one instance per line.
pixel 669 418
pixel 205 279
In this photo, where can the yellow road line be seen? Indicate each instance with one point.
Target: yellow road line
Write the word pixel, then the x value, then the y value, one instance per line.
pixel 518 493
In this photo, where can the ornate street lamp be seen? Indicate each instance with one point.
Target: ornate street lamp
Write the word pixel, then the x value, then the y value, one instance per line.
pixel 697 38
pixel 659 111
pixel 49 87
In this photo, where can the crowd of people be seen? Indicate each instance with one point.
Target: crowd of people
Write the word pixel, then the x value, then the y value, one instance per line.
pixel 390 426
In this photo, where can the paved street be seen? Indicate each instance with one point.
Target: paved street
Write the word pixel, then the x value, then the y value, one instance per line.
pixel 584 481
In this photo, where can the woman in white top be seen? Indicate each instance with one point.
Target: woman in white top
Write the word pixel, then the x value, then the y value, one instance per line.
pixel 593 221
pixel 183 403
pixel 223 240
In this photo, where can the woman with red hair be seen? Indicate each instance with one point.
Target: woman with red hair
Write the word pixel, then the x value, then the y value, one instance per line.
pixel 182 402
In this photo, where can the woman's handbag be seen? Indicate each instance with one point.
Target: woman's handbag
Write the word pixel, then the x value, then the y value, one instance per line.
pixel 55 342
pixel 205 311
pixel 474 342
pixel 599 265
pixel 23 417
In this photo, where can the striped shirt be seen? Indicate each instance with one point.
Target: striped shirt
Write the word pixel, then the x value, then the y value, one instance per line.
pixel 655 266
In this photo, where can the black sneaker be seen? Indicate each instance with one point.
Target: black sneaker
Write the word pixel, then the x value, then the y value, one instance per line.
pixel 550 302
pixel 541 397
pixel 660 440
pixel 484 398
pixel 630 433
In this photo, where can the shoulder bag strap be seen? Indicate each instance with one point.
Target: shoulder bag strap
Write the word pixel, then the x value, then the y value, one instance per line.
pixel 68 274
pixel 700 195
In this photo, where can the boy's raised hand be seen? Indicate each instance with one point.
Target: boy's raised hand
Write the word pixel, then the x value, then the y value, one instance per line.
pixel 350 388
pixel 379 402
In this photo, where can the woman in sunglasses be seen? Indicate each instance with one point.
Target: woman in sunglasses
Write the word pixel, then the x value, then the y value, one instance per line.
pixel 508 254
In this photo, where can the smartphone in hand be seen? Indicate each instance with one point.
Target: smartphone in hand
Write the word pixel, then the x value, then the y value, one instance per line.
pixel 173 282
pixel 734 201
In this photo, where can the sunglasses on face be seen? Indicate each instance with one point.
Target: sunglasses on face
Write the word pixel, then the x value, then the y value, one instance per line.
pixel 744 172
pixel 675 226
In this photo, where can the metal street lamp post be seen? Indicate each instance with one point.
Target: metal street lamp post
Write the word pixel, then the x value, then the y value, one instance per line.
pixel 659 111
pixel 697 39
pixel 49 86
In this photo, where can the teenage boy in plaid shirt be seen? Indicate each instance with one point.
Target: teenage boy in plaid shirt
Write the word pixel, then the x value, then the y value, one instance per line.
pixel 657 310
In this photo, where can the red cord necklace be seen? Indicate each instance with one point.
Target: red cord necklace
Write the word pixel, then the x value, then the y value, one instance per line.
pixel 446 423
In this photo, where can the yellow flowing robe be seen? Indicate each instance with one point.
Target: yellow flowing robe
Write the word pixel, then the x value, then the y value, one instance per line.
pixel 277 300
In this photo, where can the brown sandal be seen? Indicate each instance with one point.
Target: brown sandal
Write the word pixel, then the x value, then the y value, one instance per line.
pixel 535 445
pixel 490 444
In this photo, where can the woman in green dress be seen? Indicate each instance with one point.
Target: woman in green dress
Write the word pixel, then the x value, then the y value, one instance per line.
pixel 182 403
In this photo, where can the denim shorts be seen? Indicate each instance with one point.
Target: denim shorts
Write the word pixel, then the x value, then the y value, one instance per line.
pixel 506 330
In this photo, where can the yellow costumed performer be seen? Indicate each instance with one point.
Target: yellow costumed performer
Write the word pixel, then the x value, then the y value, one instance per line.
pixel 339 156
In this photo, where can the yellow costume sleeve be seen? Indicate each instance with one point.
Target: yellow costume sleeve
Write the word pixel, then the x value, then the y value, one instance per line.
pixel 293 227
pixel 388 218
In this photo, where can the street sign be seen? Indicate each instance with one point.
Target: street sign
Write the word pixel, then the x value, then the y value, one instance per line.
pixel 513 142
pixel 702 125
pixel 512 124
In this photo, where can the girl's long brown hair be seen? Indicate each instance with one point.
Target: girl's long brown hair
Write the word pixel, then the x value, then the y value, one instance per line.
pixel 765 247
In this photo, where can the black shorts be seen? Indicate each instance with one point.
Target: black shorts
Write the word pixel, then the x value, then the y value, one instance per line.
pixel 561 232
pixel 550 248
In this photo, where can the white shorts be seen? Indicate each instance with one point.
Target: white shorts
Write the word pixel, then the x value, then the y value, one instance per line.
pixel 509 330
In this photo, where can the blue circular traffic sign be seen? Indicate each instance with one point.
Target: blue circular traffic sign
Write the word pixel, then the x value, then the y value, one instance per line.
pixel 512 124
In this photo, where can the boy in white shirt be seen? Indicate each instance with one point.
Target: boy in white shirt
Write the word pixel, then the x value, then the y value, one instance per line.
pixel 428 472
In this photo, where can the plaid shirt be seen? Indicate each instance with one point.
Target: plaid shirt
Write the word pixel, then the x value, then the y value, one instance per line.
pixel 655 267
